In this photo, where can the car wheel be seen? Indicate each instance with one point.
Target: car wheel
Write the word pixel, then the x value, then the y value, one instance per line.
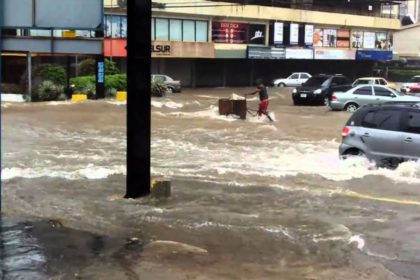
pixel 170 90
pixel 354 153
pixel 351 107
pixel 326 101
pixel 281 85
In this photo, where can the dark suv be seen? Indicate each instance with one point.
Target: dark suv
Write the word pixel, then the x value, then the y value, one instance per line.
pixel 386 134
pixel 319 88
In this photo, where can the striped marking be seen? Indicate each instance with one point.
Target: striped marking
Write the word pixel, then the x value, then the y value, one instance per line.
pixel 384 199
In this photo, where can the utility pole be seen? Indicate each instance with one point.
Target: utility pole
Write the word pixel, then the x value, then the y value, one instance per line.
pixel 1 73
pixel 139 15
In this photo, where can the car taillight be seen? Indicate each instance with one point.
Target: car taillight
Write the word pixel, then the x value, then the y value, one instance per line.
pixel 333 97
pixel 345 133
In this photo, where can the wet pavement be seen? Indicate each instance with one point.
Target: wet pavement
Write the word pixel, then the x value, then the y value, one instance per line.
pixel 251 199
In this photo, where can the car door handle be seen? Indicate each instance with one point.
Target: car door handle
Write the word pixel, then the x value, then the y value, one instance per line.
pixel 408 140
pixel 366 134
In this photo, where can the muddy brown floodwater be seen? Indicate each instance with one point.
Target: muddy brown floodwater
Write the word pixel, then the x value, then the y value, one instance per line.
pixel 251 199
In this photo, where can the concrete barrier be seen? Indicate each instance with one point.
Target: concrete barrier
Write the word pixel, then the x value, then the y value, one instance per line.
pixel 79 97
pixel 121 96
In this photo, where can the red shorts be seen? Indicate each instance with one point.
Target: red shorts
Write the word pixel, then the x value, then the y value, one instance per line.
pixel 263 107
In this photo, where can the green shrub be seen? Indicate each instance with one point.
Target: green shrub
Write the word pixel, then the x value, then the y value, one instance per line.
pixel 119 82
pixel 86 84
pixel 62 97
pixel 158 88
pixel 45 72
pixel 88 67
pixel 111 93
pixel 48 91
pixel 402 75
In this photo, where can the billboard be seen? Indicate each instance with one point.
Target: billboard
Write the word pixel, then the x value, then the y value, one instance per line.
pixel 318 37
pixel 238 33
pixel 369 40
pixel 266 53
pixel 335 54
pixel 294 34
pixel 309 35
pixel 373 55
pixel 357 39
pixel 278 33
pixel 329 38
pixel 292 53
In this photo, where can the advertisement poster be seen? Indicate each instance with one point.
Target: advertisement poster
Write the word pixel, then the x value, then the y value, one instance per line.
pixel 278 33
pixel 229 32
pixel 256 34
pixel 357 39
pixel 330 38
pixel 318 38
pixel 309 35
pixel 294 34
pixel 369 40
pixel 343 38
pixel 381 41
pixel 292 53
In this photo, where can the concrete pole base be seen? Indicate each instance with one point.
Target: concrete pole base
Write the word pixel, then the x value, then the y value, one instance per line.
pixel 160 187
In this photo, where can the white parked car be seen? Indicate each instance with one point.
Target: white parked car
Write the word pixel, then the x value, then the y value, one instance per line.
pixel 294 80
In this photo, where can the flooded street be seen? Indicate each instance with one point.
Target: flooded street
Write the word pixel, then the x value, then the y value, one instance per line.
pixel 250 199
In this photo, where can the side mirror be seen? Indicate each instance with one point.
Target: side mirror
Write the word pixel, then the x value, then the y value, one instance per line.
pixel 393 95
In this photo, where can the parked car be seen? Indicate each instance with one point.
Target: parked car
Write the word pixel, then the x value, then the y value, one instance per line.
pixel 319 88
pixel 173 86
pixel 386 134
pixel 413 89
pixel 412 82
pixel 373 81
pixel 294 80
pixel 362 95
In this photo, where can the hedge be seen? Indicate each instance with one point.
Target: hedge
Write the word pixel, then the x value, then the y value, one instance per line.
pixel 402 75
pixel 86 83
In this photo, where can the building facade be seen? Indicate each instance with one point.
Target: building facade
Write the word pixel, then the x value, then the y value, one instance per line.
pixel 231 43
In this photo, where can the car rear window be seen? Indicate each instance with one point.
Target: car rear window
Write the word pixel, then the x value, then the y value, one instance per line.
pixel 316 81
pixel 385 120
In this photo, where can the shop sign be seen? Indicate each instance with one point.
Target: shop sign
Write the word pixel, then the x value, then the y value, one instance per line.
pixel 161 49
pixel 318 37
pixel 238 33
pixel 369 40
pixel 292 53
pixel 256 34
pixel 373 55
pixel 266 53
pixel 294 34
pixel 278 33
pixel 357 39
pixel 309 35
pixel 335 54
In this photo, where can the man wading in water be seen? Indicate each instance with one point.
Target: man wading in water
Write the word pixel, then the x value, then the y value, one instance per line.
pixel 262 91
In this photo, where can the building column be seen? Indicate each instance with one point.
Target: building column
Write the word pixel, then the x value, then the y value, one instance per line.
pixel 193 73
pixel 29 65
pixel 224 74
pixel 251 73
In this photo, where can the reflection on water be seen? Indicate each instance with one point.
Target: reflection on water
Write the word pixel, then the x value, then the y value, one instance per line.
pixel 46 250
pixel 21 256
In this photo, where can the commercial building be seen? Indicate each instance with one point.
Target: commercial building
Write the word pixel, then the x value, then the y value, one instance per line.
pixel 231 43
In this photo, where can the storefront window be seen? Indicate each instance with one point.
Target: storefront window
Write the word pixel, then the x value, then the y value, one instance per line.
pixel 123 27
pixel 188 29
pixel 162 29
pixel 201 31
pixel 175 30
pixel 153 29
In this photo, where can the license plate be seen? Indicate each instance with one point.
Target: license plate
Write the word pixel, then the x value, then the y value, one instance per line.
pixel 303 95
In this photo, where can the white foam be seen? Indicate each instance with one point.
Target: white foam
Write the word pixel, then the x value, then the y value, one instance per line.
pixel 89 172
pixel 360 242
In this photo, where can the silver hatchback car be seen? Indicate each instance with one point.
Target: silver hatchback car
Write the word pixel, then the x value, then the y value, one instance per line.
pixel 362 95
pixel 386 134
